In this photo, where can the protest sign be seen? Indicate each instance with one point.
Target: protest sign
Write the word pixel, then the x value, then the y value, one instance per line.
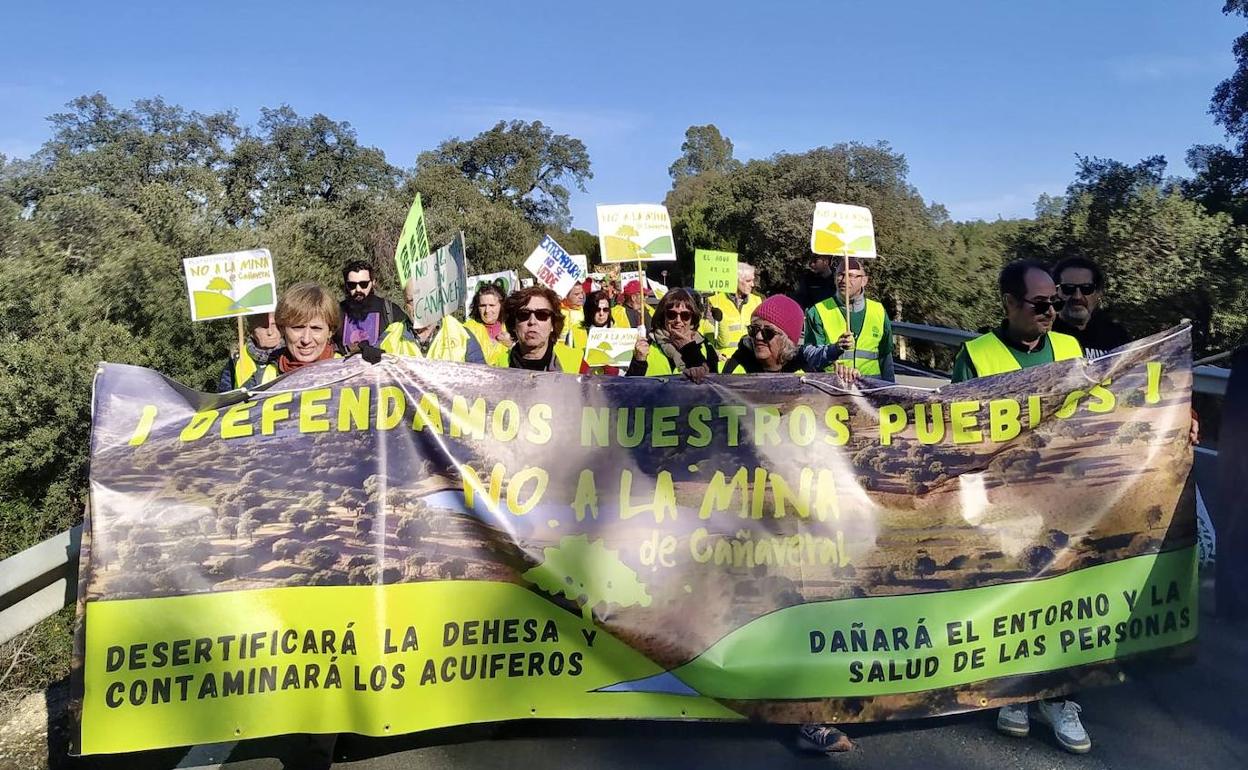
pixel 582 262
pixel 237 283
pixel 438 284
pixel 413 242
pixel 714 271
pixel 553 267
pixel 610 346
pixel 507 281
pixel 481 544
pixel 635 233
pixel 843 230
pixel 652 286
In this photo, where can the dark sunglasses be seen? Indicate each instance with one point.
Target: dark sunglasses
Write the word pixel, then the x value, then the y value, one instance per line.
pixel 1069 289
pixel 603 309
pixel 543 315
pixel 766 332
pixel 361 284
pixel 679 315
pixel 1041 306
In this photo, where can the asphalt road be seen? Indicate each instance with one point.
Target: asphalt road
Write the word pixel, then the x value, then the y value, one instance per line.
pixel 1192 716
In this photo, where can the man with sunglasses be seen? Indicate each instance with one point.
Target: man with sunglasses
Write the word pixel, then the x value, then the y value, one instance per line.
pixel 1026 337
pixel 1082 284
pixel 367 318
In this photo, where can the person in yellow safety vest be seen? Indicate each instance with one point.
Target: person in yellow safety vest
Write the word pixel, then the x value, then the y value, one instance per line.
pixel 445 339
pixel 485 320
pixel 262 342
pixel 308 317
pixel 632 310
pixel 533 318
pixel 1025 338
pixel 573 309
pixel 869 340
pixel 772 343
pixel 731 312
pixel 676 345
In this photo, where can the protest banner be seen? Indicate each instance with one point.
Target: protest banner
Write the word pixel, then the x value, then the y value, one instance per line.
pixel 237 283
pixel 380 549
pixel 635 233
pixel 553 267
pixel 610 346
pixel 507 281
pixel 843 230
pixel 438 283
pixel 413 242
pixel 714 271
pixel 582 262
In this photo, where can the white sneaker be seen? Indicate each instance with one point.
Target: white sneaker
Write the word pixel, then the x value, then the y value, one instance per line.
pixel 1013 720
pixel 1063 715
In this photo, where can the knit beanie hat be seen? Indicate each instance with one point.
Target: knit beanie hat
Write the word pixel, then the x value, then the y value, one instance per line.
pixel 784 313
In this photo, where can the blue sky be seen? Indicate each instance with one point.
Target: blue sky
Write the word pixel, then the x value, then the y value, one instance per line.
pixel 989 101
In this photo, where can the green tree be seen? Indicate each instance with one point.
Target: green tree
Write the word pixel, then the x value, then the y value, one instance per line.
pixel 705 151
pixel 524 165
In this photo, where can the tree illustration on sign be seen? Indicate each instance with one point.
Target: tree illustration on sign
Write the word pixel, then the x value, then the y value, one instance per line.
pixel 590 573
pixel 213 301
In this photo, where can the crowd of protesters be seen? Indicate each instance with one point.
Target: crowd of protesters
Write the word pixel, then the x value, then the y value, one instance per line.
pixel 1049 314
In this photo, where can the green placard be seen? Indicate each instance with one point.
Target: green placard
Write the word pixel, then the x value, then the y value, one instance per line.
pixel 714 271
pixel 413 242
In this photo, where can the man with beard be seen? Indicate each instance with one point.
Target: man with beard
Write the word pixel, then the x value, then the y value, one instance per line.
pixel 366 316
pixel 1082 284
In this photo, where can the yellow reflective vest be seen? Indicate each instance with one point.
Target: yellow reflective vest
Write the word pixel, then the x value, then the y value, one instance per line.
pixel 489 347
pixel 450 342
pixel 619 316
pixel 730 328
pixel 991 356
pixel 866 354
pixel 567 359
pixel 244 368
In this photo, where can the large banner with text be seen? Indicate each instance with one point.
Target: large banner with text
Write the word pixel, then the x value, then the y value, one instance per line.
pixel 381 549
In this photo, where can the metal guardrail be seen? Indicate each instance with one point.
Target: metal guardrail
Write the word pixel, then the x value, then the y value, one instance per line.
pixel 38 582
pixel 1205 379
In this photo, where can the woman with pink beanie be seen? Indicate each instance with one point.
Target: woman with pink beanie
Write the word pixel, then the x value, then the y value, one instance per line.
pixel 772 344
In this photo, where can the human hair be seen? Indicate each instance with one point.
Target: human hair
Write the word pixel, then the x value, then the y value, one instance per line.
pixel 519 298
pixel 744 268
pixel 591 307
pixel 839 264
pixel 355 266
pixel 306 302
pixel 1013 278
pixel 674 297
pixel 485 288
pixel 1079 261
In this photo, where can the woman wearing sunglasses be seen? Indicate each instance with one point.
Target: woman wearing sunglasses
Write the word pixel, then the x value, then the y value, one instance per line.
pixel 770 344
pixel 533 319
pixel 598 315
pixel 676 346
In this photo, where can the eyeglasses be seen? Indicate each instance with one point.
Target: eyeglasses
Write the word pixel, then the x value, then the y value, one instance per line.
pixel 603 309
pixel 1041 306
pixel 758 330
pixel 541 314
pixel 679 315
pixel 1069 289
pixel 361 284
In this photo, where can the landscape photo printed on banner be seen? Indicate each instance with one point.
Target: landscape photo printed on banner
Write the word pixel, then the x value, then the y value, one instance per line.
pixel 395 547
